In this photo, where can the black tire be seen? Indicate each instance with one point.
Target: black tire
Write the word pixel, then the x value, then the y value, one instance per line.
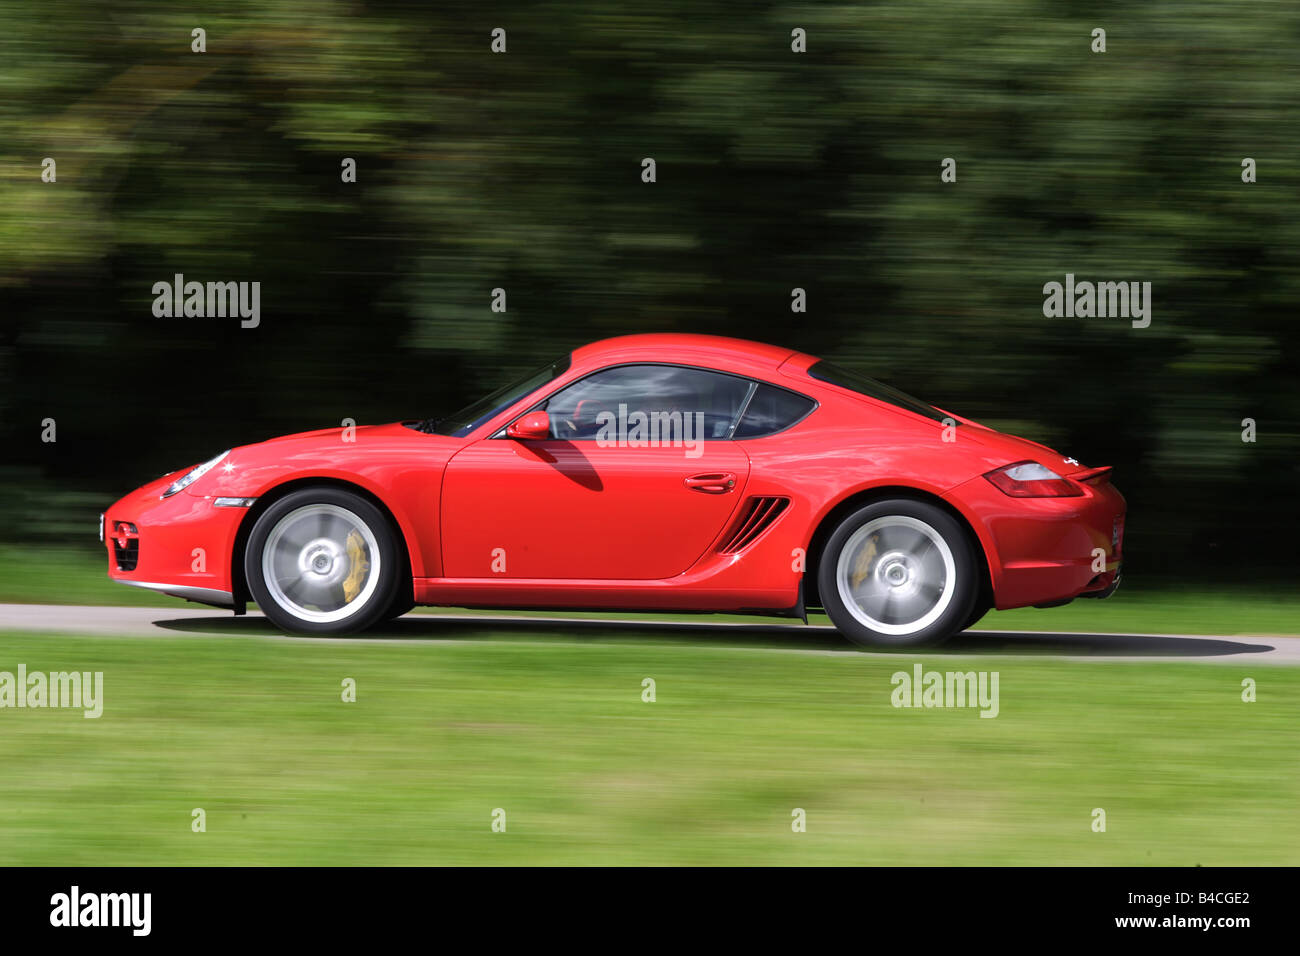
pixel 977 612
pixel 404 594
pixel 332 510
pixel 401 604
pixel 912 566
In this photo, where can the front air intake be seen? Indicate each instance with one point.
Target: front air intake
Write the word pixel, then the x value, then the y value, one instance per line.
pixel 126 545
pixel 756 516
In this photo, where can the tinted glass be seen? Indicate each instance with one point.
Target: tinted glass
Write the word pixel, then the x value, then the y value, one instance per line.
pixel 771 410
pixel 826 372
pixel 471 417
pixel 659 403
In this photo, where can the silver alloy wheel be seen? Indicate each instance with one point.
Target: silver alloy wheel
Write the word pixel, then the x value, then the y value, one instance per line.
pixel 896 575
pixel 321 563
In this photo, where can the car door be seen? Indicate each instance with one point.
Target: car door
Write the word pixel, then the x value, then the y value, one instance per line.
pixel 637 478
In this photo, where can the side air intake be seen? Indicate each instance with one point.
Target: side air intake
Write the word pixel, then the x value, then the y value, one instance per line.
pixel 756 516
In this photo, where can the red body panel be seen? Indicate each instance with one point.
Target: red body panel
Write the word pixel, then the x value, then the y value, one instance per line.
pixel 551 506
pixel 581 525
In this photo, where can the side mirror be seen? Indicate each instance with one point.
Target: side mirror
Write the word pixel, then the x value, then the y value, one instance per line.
pixel 534 425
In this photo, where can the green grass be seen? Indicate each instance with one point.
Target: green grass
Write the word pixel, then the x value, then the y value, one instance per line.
pixel 554 731
pixel 73 575
pixel 1162 611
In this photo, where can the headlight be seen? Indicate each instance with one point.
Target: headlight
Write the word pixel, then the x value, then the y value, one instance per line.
pixel 180 484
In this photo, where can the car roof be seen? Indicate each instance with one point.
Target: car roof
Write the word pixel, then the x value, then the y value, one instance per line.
pixel 714 351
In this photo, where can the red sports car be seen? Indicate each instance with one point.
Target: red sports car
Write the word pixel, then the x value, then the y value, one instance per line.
pixel 648 472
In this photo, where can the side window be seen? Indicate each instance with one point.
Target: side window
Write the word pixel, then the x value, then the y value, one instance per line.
pixel 771 410
pixel 654 404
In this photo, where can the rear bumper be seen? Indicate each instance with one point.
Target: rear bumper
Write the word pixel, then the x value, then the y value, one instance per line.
pixel 181 545
pixel 1045 550
pixel 1111 585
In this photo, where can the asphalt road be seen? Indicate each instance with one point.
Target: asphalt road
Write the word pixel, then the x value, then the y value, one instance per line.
pixel 797 638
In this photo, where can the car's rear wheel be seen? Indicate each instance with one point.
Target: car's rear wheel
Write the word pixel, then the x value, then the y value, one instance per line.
pixel 977 612
pixel 322 561
pixel 898 573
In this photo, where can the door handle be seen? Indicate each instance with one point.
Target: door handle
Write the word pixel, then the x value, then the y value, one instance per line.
pixel 717 483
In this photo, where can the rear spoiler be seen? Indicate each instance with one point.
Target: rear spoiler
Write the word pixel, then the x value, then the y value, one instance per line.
pixel 1092 475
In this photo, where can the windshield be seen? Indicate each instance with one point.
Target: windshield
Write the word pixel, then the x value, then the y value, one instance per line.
pixel 854 382
pixel 463 422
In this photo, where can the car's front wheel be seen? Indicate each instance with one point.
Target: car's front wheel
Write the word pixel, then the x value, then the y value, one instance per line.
pixel 898 573
pixel 322 561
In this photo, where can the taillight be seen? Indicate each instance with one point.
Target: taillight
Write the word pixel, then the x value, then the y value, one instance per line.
pixel 1029 479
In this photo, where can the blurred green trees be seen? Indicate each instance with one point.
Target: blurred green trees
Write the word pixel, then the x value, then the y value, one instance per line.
pixel 775 170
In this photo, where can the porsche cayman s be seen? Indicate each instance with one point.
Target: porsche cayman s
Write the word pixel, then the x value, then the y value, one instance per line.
pixel 669 472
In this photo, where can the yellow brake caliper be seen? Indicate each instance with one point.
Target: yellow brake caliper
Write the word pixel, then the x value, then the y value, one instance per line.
pixel 862 565
pixel 358 567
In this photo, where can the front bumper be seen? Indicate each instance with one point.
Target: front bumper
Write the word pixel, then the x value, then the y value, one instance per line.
pixel 1047 550
pixel 181 545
